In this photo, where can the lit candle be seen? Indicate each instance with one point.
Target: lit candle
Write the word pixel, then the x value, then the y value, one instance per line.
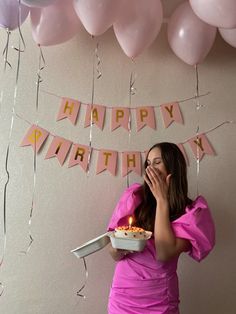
pixel 130 221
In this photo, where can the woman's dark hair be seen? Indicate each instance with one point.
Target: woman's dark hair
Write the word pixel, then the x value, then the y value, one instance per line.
pixel 175 165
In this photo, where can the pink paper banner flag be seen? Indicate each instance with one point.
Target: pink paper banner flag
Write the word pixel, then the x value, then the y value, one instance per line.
pixel 69 109
pixel 107 160
pixel 59 148
pixel 79 156
pixel 120 117
pixel 171 112
pixel 181 147
pixel 35 137
pixel 145 116
pixel 97 114
pixel 131 161
pixel 200 146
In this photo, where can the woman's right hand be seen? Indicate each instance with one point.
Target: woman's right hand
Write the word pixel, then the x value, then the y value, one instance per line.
pixel 118 254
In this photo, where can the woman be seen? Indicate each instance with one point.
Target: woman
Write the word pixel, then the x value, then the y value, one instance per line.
pixel 146 282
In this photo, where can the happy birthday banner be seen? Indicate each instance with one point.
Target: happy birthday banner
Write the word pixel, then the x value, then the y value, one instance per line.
pixel 120 116
pixel 107 159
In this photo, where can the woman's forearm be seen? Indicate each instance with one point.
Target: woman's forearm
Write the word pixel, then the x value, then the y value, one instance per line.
pixel 167 245
pixel 165 240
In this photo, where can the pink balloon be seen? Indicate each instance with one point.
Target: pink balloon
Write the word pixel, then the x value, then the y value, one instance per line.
pixel 9 14
pixel 138 25
pixel 229 35
pixel 38 3
pixel 54 24
pixel 189 37
pixel 219 13
pixel 97 15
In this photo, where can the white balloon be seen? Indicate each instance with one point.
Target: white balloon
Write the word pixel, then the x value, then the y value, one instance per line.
pixel 219 13
pixel 98 15
pixel 229 35
pixel 189 37
pixel 138 25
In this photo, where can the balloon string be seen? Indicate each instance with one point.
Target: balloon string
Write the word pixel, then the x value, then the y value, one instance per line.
pixel 31 239
pixel 97 61
pixel 6 49
pixel 132 92
pixel 6 62
pixel 8 150
pixel 41 65
pixel 21 38
pixel 198 106
pixel 86 279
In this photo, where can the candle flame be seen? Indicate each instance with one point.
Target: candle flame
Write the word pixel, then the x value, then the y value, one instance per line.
pixel 130 221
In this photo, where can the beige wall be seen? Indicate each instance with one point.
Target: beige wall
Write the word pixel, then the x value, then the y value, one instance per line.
pixel 71 208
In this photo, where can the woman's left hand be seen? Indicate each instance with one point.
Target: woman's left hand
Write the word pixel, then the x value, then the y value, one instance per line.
pixel 157 182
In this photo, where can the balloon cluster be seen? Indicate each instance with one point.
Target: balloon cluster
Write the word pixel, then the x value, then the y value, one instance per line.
pixel 191 28
pixel 193 25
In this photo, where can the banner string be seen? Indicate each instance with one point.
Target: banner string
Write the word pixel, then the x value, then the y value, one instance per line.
pixel 182 142
pixel 133 91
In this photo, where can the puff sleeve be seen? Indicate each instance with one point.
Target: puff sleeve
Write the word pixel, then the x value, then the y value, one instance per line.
pixel 197 226
pixel 129 201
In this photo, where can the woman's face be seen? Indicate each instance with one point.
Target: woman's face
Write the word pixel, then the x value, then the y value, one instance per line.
pixel 154 159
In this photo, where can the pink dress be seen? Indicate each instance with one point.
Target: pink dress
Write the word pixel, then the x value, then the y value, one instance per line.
pixel 144 285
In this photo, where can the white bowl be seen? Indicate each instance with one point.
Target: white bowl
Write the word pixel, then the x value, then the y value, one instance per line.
pixel 129 244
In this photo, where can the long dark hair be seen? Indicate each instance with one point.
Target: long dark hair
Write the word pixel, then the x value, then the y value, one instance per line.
pixel 175 165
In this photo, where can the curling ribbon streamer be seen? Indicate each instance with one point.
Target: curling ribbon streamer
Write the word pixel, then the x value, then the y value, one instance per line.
pixel 5 53
pixel 132 91
pixel 6 62
pixel 39 78
pixel 41 66
pixel 33 197
pixel 86 279
pixel 198 106
pixel 99 74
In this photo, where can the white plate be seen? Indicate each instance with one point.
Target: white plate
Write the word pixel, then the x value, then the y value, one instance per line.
pixel 92 246
pixel 129 244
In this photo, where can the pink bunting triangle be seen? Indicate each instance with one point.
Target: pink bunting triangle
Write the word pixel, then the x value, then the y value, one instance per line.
pixel 131 161
pixel 80 156
pixel 120 117
pixel 59 148
pixel 200 146
pixel 35 137
pixel 97 114
pixel 171 112
pixel 107 160
pixel 69 109
pixel 145 116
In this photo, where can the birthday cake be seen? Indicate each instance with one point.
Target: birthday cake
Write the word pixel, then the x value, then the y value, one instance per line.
pixel 130 232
